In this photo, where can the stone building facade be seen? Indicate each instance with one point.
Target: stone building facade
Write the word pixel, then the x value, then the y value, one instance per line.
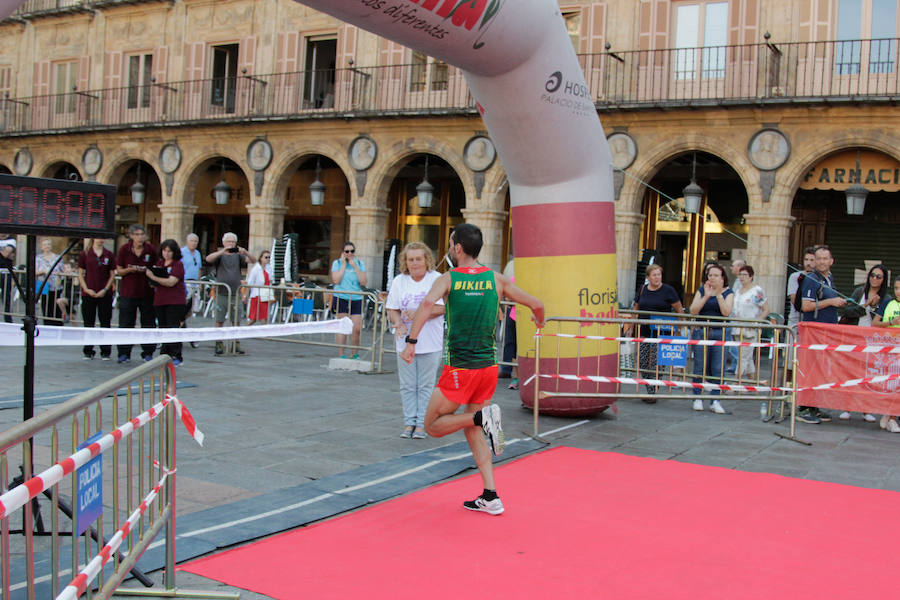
pixel 768 104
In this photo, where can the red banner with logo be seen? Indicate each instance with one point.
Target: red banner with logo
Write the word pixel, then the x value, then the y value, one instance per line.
pixel 817 367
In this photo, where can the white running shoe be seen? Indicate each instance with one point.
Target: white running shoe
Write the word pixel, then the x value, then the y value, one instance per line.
pixel 716 407
pixel 490 423
pixel 491 507
pixel 844 415
pixel 870 418
pixel 698 404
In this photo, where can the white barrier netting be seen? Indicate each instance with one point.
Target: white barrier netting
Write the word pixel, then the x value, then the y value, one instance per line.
pixel 11 334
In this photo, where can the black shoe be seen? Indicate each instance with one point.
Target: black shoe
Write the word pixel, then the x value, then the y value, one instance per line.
pixel 824 416
pixel 491 507
pixel 808 416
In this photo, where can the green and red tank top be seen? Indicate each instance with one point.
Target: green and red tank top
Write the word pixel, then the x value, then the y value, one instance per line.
pixel 471 316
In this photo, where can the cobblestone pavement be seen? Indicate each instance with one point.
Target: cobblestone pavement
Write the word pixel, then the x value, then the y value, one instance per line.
pixel 276 417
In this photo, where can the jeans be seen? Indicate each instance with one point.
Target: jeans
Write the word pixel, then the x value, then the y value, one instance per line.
pixel 93 309
pixel 707 360
pixel 6 283
pixel 128 309
pixel 169 317
pixel 731 360
pixel 417 380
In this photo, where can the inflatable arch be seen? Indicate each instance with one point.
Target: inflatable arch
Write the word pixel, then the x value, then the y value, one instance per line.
pixel 522 71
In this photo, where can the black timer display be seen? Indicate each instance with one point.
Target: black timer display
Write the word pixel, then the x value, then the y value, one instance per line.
pixel 33 205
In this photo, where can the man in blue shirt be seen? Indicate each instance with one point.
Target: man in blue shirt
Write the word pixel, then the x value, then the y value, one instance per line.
pixel 192 261
pixel 820 305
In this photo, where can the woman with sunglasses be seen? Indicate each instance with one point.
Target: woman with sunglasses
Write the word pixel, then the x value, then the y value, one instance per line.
pixel 863 306
pixel 348 275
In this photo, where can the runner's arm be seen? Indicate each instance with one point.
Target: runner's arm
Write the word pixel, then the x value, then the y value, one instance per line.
pixel 438 290
pixel 511 291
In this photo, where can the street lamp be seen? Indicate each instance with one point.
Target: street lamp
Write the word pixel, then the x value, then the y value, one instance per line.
pixel 138 189
pixel 221 190
pixel 317 188
pixel 425 191
pixel 693 193
pixel 856 193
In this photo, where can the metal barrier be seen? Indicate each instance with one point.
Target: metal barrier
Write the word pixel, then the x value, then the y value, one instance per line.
pixel 313 303
pixel 665 367
pixel 138 446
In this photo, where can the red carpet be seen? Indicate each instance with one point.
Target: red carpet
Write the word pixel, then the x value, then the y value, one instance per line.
pixel 585 524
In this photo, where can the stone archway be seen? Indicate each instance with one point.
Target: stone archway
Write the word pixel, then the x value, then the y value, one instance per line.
pixel 212 219
pixel 125 174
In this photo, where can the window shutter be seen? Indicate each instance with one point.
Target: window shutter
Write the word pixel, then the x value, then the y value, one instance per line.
pixel 84 73
pixel 346 50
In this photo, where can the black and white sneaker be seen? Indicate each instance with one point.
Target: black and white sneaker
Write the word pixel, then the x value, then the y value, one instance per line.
pixel 491 507
pixel 490 423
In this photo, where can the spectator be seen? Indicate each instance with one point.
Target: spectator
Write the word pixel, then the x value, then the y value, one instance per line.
pixel 865 301
pixel 749 303
pixel 654 296
pixel 888 315
pixel 68 276
pixel 192 260
pixel 350 279
pixel 96 278
pixel 135 293
pixel 168 299
pixel 714 298
pixel 820 305
pixel 47 272
pixel 509 338
pixel 732 353
pixel 417 378
pixel 260 274
pixel 793 286
pixel 228 262
pixel 7 250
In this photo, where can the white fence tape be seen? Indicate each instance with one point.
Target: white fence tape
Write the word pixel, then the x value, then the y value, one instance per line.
pixel 11 334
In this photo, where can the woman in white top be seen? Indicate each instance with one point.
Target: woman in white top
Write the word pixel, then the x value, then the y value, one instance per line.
pixel 260 274
pixel 749 303
pixel 45 270
pixel 417 378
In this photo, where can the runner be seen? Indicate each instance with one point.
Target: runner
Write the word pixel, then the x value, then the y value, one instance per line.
pixel 472 294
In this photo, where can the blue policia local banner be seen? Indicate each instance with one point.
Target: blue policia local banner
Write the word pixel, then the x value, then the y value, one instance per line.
pixel 89 501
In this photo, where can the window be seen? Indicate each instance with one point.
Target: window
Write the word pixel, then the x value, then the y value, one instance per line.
pixel 64 77
pixel 5 81
pixel 140 69
pixel 861 20
pixel 428 73
pixel 573 27
pixel 224 76
pixel 701 30
pixel 318 85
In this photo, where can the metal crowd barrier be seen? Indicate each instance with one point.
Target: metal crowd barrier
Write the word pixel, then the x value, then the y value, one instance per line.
pixel 762 367
pixel 122 477
pixel 310 302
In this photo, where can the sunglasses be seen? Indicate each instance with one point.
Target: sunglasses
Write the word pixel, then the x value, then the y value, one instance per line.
pixel 876 275
pixel 349 251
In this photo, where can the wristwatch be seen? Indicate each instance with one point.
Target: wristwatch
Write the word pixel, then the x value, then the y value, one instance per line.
pixel 410 340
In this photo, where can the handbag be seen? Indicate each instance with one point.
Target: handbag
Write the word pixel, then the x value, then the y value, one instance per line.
pixel 266 295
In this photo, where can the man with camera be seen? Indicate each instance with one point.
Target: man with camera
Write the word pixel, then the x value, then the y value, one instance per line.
pixel 228 262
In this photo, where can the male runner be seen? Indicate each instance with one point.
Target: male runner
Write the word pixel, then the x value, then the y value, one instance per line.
pixel 471 296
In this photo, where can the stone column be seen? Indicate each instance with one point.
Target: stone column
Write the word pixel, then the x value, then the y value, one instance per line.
pixel 628 236
pixel 266 224
pixel 491 223
pixel 368 227
pixel 177 221
pixel 767 253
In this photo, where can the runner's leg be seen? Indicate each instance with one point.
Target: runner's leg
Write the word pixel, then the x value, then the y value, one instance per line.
pixel 441 420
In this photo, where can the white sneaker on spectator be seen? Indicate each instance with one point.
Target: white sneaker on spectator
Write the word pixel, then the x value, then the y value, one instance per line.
pixel 716 407
pixel 845 415
pixel 892 426
pixel 870 417
pixel 698 404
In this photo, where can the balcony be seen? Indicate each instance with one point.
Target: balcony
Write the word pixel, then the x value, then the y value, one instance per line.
pixel 854 71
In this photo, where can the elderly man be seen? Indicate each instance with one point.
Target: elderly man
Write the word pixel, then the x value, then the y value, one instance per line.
pixel 192 261
pixel 228 262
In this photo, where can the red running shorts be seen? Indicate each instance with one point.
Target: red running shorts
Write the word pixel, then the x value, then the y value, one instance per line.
pixel 468 386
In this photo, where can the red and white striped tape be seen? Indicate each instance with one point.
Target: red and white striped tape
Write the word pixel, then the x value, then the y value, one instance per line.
pixel 18 496
pixel 715 386
pixel 77 586
pixel 869 349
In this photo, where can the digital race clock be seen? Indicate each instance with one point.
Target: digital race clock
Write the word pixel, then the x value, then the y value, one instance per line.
pixel 37 206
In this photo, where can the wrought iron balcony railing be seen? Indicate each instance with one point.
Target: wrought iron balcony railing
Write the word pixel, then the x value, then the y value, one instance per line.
pixel 849 71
